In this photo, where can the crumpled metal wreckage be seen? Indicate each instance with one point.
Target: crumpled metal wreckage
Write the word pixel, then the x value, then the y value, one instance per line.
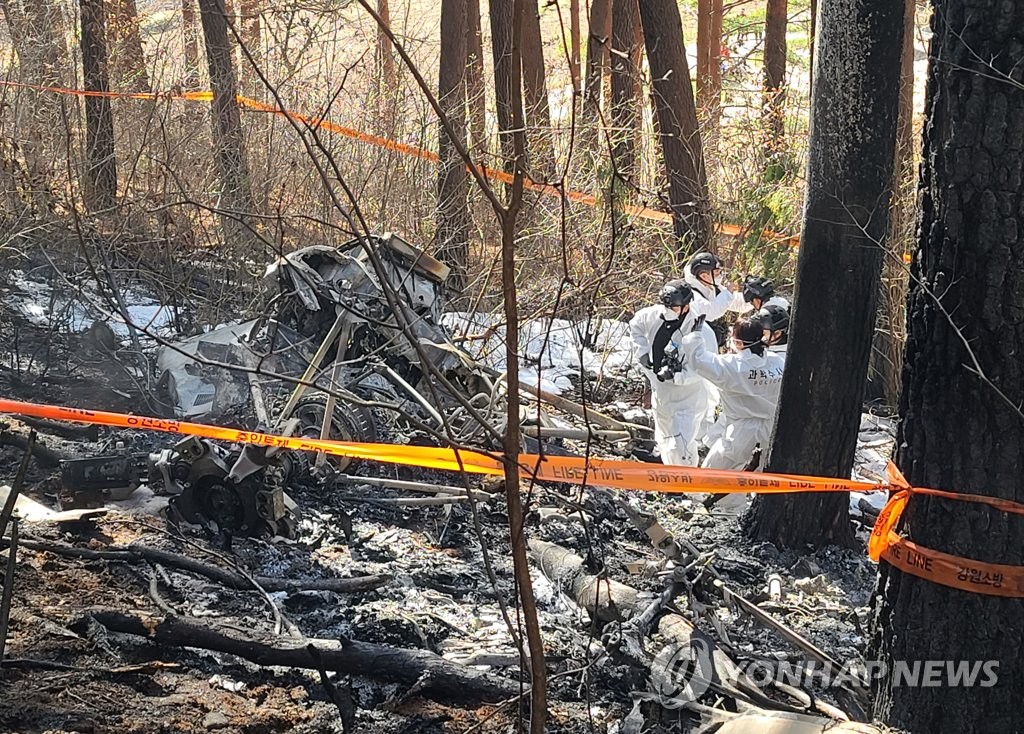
pixel 332 323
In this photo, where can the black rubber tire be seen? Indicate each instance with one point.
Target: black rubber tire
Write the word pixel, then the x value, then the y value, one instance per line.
pixel 351 422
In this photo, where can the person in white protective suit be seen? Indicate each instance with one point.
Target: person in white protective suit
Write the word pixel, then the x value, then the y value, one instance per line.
pixel 749 380
pixel 776 322
pixel 681 400
pixel 712 298
pixel 760 292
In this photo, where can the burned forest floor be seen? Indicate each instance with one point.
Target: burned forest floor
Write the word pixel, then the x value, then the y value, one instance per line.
pixel 109 621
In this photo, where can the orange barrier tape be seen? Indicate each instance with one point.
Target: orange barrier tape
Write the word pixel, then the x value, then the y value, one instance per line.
pixel 579 197
pixel 884 544
pixel 620 474
pixel 990 579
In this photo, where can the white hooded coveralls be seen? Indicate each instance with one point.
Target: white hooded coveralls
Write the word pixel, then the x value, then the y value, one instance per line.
pixel 711 303
pixel 777 301
pixel 682 403
pixel 749 384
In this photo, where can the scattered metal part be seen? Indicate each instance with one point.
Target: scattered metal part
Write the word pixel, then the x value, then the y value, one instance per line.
pixel 254 504
pixel 92 482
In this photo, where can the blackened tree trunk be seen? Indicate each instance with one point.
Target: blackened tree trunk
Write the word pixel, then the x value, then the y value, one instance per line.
pixel 476 98
pixel 100 180
pixel 890 326
pixel 190 31
pixel 812 44
pixel 236 202
pixel 958 431
pixel 535 89
pixel 453 182
pixel 849 180
pixel 625 86
pixel 127 59
pixel 774 95
pixel 681 146
pixel 598 44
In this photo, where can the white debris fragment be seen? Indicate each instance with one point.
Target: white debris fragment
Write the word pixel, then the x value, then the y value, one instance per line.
pixel 219 681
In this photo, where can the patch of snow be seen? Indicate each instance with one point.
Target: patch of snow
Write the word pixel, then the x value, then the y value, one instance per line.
pixel 551 349
pixel 42 306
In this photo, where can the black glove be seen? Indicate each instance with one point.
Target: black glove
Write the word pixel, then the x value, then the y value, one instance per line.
pixel 645 360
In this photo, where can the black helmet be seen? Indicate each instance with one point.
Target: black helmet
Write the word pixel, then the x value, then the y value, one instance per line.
pixel 675 293
pixel 704 262
pixel 774 318
pixel 755 287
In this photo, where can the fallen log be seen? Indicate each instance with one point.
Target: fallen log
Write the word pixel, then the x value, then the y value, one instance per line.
pixel 608 600
pixel 64 430
pixel 136 553
pixel 47 458
pixel 436 677
pixel 854 698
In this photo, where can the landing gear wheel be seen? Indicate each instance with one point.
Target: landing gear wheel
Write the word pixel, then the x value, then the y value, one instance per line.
pixel 350 422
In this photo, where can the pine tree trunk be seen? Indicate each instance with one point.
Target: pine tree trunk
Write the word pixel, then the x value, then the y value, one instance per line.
pixel 249 26
pixel 100 180
pixel 535 89
pixel 853 131
pixel 501 49
pixel 703 53
pixel 236 202
pixel 774 97
pixel 38 31
pixel 598 42
pixel 127 59
pixel 574 45
pixel 190 31
pixel 477 100
pixel 625 86
pixel 709 64
pixel 38 34
pixel 714 108
pixel 957 431
pixel 386 72
pixel 890 328
pixel 453 183
pixel 679 135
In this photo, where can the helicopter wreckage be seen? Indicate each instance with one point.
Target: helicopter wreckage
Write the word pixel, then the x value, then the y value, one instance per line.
pixel 350 347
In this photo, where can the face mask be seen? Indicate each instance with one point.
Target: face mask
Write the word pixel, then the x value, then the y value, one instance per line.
pixel 669 315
